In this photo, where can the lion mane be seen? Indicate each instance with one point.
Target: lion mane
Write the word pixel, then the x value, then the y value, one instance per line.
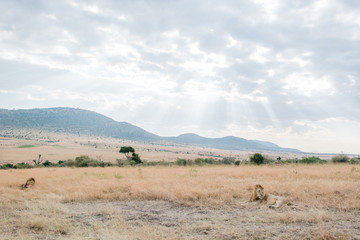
pixel 29 183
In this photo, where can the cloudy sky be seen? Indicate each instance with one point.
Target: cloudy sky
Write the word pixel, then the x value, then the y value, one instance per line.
pixel 281 71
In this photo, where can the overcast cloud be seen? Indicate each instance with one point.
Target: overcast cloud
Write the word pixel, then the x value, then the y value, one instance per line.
pixel 282 71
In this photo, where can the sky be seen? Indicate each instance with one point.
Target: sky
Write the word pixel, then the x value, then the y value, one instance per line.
pixel 281 71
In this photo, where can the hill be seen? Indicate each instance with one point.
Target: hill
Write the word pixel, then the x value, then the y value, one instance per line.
pixel 79 121
pixel 71 120
pixel 229 143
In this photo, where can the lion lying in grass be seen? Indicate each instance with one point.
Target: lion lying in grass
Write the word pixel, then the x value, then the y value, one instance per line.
pixel 29 183
pixel 272 200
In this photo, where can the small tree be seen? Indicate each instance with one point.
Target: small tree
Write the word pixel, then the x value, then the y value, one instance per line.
pixel 257 158
pixel 127 150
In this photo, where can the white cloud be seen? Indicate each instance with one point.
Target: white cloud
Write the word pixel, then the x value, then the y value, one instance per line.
pixel 304 83
pixel 269 9
pixel 260 54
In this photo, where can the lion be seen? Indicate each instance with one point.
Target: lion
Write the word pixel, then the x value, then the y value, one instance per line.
pixel 272 200
pixel 29 183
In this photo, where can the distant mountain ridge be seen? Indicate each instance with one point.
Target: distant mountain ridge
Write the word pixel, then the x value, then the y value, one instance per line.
pixel 79 121
pixel 229 143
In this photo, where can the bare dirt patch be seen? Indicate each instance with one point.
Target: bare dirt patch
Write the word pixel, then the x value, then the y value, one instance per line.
pixel 176 221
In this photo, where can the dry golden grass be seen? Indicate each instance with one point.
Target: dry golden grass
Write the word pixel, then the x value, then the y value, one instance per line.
pixel 334 186
pixel 42 212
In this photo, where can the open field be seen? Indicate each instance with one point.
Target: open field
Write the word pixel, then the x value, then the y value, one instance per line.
pixel 180 203
pixel 56 147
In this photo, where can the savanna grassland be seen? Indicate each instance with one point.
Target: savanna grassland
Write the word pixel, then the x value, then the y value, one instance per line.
pixel 203 202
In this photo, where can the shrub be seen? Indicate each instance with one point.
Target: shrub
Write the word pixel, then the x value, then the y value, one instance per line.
pixel 132 162
pixel 136 158
pixel 22 166
pixel 313 159
pixel 120 162
pixel 60 162
pixel 47 163
pixel 199 161
pixel 341 158
pixel 82 161
pixel 355 161
pixel 228 160
pixel 69 163
pixel 257 158
pixel 159 163
pixel 181 162
pixel 237 163
pixel 209 161
pixel 268 160
pixel 95 163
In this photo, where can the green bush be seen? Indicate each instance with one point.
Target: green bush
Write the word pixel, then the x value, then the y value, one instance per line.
pixel 199 161
pixel 181 162
pixel 228 160
pixel 47 163
pixel 7 166
pixel 22 166
pixel 82 161
pixel 184 162
pixel 209 161
pixel 341 158
pixel 237 162
pixel 69 163
pixel 136 158
pixel 313 159
pixel 159 163
pixel 355 161
pixel 257 159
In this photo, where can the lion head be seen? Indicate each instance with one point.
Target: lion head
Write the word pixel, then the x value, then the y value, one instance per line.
pixel 258 193
pixel 29 183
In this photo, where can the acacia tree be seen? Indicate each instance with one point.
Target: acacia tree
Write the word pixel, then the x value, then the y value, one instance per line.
pixel 127 150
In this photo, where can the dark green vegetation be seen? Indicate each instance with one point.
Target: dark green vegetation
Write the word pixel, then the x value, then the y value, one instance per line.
pixel 83 122
pixel 257 159
pixel 26 146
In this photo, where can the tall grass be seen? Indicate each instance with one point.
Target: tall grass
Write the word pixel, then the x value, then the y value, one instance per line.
pixel 334 186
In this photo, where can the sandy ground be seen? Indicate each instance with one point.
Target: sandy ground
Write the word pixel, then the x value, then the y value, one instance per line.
pixel 247 222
